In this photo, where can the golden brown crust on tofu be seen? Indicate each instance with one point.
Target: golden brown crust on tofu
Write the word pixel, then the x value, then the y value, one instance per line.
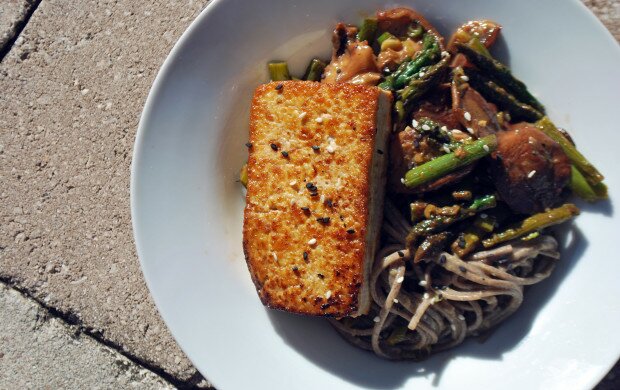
pixel 307 209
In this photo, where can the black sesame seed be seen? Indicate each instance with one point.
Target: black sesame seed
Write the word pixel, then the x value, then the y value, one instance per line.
pixel 320 276
pixel 305 255
pixel 279 86
pixel 462 269
pixel 351 231
pixel 379 151
pixel 329 203
pixel 248 144
pixel 316 148
pixel 306 209
pixel 323 219
pixel 284 153
pixel 461 242
pixel 274 146
pixel 442 259
pixel 325 306
pixel 295 269
pixel 309 185
pixel 338 70
pixel 400 254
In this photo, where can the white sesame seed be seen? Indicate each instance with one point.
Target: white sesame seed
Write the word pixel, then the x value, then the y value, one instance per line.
pixel 464 78
pixel 303 115
pixel 421 74
pixel 328 294
pixel 422 283
pixel 402 180
pixel 376 319
pixel 444 53
pixel 531 174
pixel 395 300
pixel 531 140
pixel 486 148
pixel 312 241
pixel 400 279
pixel 446 149
pixel 319 119
pixel 444 128
pixel 461 317
pixel 470 130
pixel 292 202
pixel 275 257
pixel 426 127
pixel 453 328
pixel 483 216
pixel 426 296
pixel 467 116
pixel 292 183
pixel 414 123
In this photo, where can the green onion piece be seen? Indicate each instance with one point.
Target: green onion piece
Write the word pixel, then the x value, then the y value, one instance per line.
pixel 368 31
pixel 278 71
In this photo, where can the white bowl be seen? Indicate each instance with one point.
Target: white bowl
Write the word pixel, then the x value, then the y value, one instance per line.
pixel 187 206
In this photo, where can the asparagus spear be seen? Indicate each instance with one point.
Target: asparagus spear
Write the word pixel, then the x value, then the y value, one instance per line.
pixel 314 70
pixel 428 54
pixel 419 86
pixel 580 186
pixel 368 31
pixel 501 74
pixel 278 71
pixel 473 234
pixel 504 99
pixel 440 222
pixel 533 223
pixel 447 163
pixel 591 174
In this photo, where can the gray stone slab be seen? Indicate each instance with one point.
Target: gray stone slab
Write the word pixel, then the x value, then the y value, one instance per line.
pixel 12 13
pixel 41 352
pixel 608 11
pixel 72 89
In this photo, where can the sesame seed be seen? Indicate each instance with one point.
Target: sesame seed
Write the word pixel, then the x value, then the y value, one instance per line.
pixel 462 269
pixel 444 128
pixel 312 241
pixel 422 74
pixel 319 120
pixel 422 283
pixel 531 140
pixel 275 257
pixel 484 216
pixel 305 256
pixel 284 153
pixel 292 183
pixel 442 259
pixel 310 185
pixel 248 144
pixel 414 123
pixel 279 86
pixel 467 116
pixel 464 78
pixel 274 146
pixel 400 254
pixel 445 54
pixel 351 231
pixel 486 148
pixel 316 148
pixel 328 294
pixel 400 279
pixel 320 276
pixel 531 174
pixel 461 317
pixel 379 151
pixel 446 149
pixel 305 208
pixel 303 115
pixel 395 300
pixel 376 319
pixel 453 328
pixel 402 180
pixel 426 127
pixel 470 130
pixel 295 269
pixel 329 203
pixel 323 219
pixel 426 296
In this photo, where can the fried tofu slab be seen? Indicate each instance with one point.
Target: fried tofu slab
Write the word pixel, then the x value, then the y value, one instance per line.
pixel 316 179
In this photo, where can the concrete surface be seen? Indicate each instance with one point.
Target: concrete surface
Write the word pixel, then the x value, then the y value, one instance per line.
pixel 71 92
pixel 72 89
pixel 12 14
pixel 38 351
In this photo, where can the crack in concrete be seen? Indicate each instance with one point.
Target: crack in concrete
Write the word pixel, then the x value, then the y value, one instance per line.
pixel 196 381
pixel 31 6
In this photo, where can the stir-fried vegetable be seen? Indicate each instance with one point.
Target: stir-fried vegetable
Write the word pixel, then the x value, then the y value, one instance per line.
pixel 440 222
pixel 533 224
pixel 278 71
pixel 314 70
pixel 447 163
pixel 368 31
pixel 429 54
